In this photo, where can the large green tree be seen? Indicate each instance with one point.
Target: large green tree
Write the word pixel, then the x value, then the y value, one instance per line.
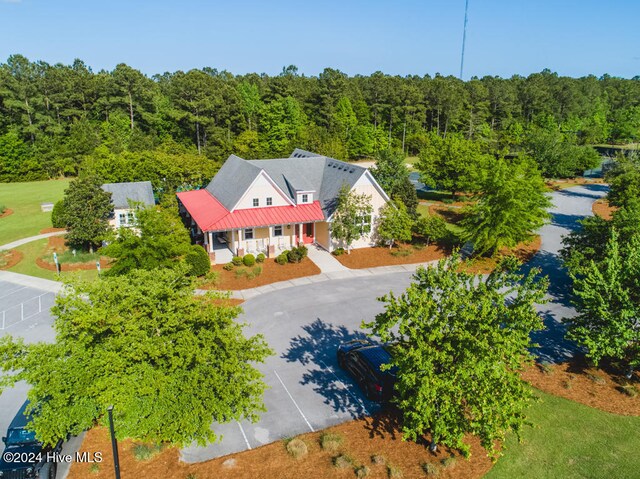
pixel 392 174
pixel 87 208
pixel 351 217
pixel 452 164
pixel 394 224
pixel 169 362
pixel 459 344
pixel 512 205
pixel 159 240
pixel 607 298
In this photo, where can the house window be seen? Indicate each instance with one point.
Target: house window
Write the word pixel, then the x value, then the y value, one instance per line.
pixel 248 233
pixel 269 201
pixel 122 219
pixel 365 224
pixel 277 230
pixel 305 198
pixel 256 202
pixel 130 218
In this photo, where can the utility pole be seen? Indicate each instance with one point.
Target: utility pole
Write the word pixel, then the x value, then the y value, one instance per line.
pixel 464 36
pixel 114 444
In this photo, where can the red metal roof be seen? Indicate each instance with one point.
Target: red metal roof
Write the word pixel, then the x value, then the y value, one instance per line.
pixel 210 215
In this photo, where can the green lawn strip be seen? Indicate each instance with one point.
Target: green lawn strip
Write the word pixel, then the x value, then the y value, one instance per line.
pixel 423 210
pixel 35 249
pixel 411 161
pixel 24 199
pixel 571 440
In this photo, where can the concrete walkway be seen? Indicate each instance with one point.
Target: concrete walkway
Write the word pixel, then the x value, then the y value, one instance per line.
pixel 246 294
pixel 31 281
pixel 324 260
pixel 22 241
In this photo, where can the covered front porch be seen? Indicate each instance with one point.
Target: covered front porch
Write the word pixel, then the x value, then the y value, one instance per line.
pixel 269 240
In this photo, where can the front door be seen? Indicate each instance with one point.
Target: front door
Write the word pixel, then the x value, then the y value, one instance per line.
pixel 307 233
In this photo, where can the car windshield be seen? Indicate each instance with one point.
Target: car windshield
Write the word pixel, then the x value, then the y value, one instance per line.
pixel 20 436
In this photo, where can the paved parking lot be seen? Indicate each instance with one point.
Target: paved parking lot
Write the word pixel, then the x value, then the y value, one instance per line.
pixel 24 312
pixel 308 391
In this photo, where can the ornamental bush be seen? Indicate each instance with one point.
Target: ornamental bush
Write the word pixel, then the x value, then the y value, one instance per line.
pixel 293 256
pixel 282 258
pixel 228 267
pixel 198 261
pixel 237 261
pixel 57 215
pixel 249 260
pixel 260 258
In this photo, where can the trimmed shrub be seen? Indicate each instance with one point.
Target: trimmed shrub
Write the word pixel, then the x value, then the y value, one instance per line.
pixel 3 208
pixel 303 251
pixel 228 267
pixel 257 271
pixel 338 251
pixel 282 259
pixel 449 461
pixel 240 273
pixel 394 472
pixel 213 276
pixel 294 256
pixel 342 461
pixel 297 448
pixel 237 261
pixel 144 452
pixel 260 258
pixel 249 260
pixel 431 469
pixel 198 261
pixel 57 215
pixel 362 471
pixel 330 442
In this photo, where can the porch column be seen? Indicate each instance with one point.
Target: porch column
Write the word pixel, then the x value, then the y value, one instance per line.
pixel 210 234
pixel 299 234
pixel 233 242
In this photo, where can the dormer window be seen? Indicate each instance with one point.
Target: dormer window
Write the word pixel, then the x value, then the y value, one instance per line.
pixel 305 198
pixel 256 202
pixel 269 201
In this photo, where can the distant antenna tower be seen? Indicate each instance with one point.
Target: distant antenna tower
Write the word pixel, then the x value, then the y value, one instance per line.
pixel 464 36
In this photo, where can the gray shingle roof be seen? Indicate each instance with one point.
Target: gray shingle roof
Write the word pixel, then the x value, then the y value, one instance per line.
pixel 311 172
pixel 121 193
pixel 232 181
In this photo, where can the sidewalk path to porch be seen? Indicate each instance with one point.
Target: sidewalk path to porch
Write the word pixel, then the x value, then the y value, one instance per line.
pixel 246 294
pixel 324 260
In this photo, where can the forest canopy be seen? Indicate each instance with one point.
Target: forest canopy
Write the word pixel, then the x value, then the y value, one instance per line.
pixel 60 119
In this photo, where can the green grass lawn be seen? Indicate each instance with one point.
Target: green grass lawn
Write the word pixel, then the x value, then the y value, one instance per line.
pixel 423 210
pixel 24 199
pixel 570 440
pixel 28 266
pixel 411 161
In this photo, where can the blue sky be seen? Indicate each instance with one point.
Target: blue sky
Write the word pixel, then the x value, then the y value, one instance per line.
pixel 504 37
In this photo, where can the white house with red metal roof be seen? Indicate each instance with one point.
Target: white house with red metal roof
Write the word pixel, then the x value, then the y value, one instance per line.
pixel 268 206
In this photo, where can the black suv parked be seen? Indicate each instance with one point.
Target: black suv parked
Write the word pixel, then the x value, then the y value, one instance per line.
pixel 24 456
pixel 362 359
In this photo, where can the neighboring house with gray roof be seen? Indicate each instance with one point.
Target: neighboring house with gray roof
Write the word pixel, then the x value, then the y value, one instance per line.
pixel 271 205
pixel 122 194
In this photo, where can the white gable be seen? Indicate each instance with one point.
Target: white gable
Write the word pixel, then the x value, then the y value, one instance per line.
pixel 261 189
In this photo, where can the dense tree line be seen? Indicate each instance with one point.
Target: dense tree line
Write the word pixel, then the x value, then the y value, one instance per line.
pixel 58 119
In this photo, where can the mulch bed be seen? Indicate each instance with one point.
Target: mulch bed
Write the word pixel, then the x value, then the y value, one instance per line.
pixel 272 272
pixel 561 184
pixel 8 259
pixel 600 388
pixel 57 244
pixel 362 439
pixel 603 209
pixel 6 213
pixel 382 256
pixel 523 251
pixel 50 230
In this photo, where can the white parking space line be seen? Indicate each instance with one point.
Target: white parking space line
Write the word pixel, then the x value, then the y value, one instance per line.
pixel 294 401
pixel 13 291
pixel 244 435
pixel 345 387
